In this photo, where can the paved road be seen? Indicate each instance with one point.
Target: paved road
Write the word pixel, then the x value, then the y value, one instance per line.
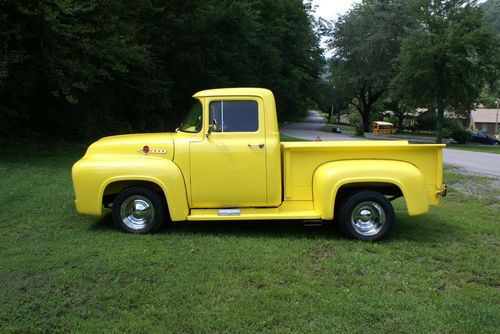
pixel 473 162
pixel 310 129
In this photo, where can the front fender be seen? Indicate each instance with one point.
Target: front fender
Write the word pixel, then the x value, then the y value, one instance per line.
pixel 92 175
pixel 331 176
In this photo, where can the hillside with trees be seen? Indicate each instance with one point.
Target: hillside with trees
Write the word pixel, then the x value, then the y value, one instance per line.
pixel 79 70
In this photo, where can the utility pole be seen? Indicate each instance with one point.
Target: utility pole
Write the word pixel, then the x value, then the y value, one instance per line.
pixel 496 120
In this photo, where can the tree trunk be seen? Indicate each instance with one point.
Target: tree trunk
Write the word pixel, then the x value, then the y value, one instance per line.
pixel 330 117
pixel 365 118
pixel 439 124
pixel 440 93
pixel 401 118
pixel 360 130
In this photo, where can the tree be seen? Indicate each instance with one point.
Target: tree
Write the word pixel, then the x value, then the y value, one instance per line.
pixel 447 58
pixel 400 109
pixel 82 69
pixel 491 9
pixel 365 43
pixel 75 69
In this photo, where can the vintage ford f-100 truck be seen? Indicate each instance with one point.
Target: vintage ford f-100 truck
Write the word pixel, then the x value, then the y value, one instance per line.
pixel 226 162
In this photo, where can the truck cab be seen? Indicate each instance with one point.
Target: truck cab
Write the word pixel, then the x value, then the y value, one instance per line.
pixel 226 162
pixel 232 142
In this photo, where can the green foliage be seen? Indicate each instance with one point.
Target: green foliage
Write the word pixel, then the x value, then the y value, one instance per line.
pixel 491 9
pixel 400 109
pixel 453 129
pixel 425 121
pixel 400 55
pixel 447 58
pixel 83 69
pixel 488 97
pixel 365 42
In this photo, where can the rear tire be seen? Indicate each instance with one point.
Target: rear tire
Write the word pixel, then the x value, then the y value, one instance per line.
pixel 138 210
pixel 365 215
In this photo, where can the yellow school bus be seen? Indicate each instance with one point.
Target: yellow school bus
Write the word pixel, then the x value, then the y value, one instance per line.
pixel 382 128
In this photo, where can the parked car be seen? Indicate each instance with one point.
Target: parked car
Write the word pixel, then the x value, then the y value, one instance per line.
pixel 482 138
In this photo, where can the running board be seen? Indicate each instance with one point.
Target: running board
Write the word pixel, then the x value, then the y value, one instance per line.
pixel 313 222
pixel 300 210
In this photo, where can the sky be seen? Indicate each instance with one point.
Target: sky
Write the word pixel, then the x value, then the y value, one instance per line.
pixel 329 9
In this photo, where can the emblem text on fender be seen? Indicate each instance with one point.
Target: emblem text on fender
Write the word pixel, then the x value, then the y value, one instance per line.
pixel 147 150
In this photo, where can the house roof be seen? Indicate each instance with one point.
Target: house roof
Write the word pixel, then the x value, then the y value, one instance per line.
pixel 484 115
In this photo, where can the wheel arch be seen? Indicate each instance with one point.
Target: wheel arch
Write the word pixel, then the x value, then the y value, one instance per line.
pixel 113 188
pixel 332 180
pixel 173 194
pixel 384 188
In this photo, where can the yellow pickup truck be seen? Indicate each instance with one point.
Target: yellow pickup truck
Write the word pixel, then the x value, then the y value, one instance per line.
pixel 226 162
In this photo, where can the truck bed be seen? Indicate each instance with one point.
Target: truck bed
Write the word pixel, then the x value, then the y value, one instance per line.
pixel 301 159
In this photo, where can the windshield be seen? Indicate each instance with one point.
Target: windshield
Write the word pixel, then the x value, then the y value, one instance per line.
pixel 192 122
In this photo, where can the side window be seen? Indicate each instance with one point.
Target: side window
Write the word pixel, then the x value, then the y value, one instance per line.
pixel 234 116
pixel 215 116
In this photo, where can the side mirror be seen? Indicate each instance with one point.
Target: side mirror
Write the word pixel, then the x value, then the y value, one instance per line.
pixel 211 127
pixel 209 131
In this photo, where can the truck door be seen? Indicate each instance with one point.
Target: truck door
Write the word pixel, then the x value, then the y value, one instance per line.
pixel 228 168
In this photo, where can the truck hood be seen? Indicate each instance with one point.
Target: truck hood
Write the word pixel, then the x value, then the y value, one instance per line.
pixel 160 145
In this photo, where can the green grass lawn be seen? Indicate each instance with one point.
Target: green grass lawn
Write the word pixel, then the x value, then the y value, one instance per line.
pixel 418 134
pixel 61 272
pixel 284 137
pixel 341 127
pixel 475 148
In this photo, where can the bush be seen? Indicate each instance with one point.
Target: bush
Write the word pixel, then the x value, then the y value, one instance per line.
pixel 453 129
pixel 460 136
pixel 425 121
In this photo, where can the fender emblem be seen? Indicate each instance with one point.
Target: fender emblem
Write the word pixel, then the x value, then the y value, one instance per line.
pixel 147 150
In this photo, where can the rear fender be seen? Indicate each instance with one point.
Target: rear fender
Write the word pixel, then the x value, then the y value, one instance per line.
pixel 331 176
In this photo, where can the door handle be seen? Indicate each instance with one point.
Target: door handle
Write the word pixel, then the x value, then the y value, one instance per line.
pixel 255 145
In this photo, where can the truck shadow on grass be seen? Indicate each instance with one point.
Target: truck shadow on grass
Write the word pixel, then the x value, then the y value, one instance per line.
pixel 246 228
pixel 414 229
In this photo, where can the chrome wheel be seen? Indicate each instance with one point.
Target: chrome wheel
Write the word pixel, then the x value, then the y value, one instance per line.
pixel 137 212
pixel 368 218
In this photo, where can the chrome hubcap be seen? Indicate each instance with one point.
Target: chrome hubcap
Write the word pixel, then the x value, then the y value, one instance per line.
pixel 368 218
pixel 137 212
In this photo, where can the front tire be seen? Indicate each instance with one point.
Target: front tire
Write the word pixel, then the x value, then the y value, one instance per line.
pixel 366 215
pixel 138 210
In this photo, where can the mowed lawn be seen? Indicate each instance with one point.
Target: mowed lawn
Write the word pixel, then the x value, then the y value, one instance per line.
pixel 475 148
pixel 62 272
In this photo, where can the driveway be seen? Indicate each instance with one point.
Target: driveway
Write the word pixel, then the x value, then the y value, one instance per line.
pixel 310 129
pixel 487 164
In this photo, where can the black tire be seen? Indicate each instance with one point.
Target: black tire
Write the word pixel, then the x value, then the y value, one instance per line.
pixel 365 215
pixel 139 210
